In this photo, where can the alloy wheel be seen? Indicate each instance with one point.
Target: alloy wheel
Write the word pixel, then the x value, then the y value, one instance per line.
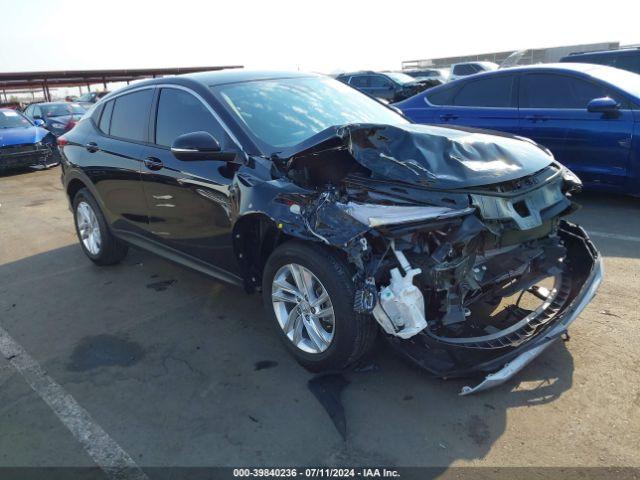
pixel 89 228
pixel 303 308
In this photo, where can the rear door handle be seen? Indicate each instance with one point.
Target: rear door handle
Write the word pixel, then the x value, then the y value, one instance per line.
pixel 153 163
pixel 92 147
pixel 448 116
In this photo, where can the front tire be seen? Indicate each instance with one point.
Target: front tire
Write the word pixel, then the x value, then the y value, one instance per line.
pixel 96 240
pixel 309 292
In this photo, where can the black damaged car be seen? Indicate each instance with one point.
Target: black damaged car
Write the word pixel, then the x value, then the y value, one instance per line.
pixel 351 221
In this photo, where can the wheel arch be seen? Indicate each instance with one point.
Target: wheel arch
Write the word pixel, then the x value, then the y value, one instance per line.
pixel 255 230
pixel 73 187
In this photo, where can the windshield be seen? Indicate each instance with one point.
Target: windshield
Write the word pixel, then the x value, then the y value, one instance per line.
pixel 12 119
pixel 400 77
pixel 87 97
pixel 61 109
pixel 623 79
pixel 281 113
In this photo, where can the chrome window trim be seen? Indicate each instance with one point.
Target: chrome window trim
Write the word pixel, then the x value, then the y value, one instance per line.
pixel 224 126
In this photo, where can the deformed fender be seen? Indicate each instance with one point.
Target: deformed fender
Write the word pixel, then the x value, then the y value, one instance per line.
pixel 264 213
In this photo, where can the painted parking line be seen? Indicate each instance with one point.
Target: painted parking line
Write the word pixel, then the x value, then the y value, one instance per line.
pixel 615 236
pixel 105 452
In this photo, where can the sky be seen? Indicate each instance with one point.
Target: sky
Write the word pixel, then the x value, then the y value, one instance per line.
pixel 310 35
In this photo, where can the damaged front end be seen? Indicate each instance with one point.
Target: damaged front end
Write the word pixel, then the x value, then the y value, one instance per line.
pixel 456 237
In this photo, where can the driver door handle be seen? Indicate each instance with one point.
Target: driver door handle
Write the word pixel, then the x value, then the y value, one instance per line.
pixel 153 163
pixel 448 116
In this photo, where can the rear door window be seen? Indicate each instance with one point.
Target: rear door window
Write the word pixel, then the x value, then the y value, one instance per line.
pixel 179 112
pixel 378 81
pixel 130 116
pixel 486 92
pixel 359 81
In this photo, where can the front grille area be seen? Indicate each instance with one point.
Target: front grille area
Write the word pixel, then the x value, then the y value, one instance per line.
pixel 23 155
pixel 18 149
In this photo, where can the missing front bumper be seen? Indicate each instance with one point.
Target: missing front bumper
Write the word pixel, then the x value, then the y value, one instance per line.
pixel 499 365
pixel 511 368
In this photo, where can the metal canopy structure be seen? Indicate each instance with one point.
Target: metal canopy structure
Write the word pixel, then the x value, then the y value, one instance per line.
pixel 13 81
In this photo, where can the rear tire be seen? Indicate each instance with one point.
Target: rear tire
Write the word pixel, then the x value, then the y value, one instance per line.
pixel 350 337
pixel 96 240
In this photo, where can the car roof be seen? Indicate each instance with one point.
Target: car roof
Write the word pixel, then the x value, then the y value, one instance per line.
pixel 576 67
pixel 221 77
pixel 213 78
pixel 362 72
pixel 608 52
pixel 586 68
pixel 475 62
pixel 54 103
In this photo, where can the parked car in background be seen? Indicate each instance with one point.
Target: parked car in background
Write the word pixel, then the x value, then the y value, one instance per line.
pixel 430 76
pixel 464 69
pixel 24 144
pixel 389 86
pixel 587 115
pixel 328 203
pixel 11 104
pixel 90 98
pixel 57 117
pixel 624 58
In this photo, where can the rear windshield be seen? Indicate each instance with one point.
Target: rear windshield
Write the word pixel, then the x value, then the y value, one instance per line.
pixel 61 109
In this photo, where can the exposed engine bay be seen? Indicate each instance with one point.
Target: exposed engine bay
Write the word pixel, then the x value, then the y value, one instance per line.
pixel 458 244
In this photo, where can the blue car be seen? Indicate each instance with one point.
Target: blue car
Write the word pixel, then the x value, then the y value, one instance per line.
pixel 25 144
pixel 588 116
pixel 58 117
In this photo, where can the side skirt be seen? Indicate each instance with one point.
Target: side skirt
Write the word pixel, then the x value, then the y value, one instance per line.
pixel 179 257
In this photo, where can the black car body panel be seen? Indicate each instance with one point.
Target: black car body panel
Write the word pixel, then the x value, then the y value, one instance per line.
pixel 474 217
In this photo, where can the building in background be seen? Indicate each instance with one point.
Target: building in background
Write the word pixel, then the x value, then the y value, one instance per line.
pixel 524 57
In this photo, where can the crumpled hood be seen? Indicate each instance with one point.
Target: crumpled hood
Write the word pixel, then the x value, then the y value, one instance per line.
pixel 431 156
pixel 21 135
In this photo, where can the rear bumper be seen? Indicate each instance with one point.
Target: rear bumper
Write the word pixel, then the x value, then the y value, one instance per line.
pixel 498 365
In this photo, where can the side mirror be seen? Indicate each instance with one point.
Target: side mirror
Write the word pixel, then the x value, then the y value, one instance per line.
pixel 199 146
pixel 603 105
pixel 38 122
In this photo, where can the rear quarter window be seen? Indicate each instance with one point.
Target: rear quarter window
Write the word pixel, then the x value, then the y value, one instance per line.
pixel 494 92
pixel 105 118
pixel 443 96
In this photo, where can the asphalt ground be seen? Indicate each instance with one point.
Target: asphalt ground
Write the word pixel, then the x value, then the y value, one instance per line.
pixel 148 364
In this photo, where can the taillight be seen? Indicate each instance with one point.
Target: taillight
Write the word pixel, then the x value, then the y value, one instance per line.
pixel 71 124
pixel 62 141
